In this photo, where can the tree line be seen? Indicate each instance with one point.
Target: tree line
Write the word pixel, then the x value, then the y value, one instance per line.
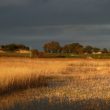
pixel 14 47
pixel 75 48
pixel 55 47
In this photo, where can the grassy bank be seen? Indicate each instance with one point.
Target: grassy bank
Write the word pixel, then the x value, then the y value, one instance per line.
pixel 55 55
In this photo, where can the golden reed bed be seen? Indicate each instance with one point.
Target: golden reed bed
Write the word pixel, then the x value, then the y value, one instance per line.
pixel 16 73
pixel 72 82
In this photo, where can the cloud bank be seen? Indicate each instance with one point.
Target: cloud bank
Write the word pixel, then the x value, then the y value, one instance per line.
pixel 29 21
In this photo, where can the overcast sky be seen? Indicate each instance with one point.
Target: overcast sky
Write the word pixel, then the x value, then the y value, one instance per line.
pixel 34 22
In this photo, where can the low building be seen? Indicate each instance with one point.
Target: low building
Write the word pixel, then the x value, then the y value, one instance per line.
pixel 97 52
pixel 23 51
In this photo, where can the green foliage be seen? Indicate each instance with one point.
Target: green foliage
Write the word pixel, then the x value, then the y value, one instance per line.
pixel 74 48
pixel 105 50
pixel 96 49
pixel 52 47
pixel 100 56
pixel 88 49
pixel 14 47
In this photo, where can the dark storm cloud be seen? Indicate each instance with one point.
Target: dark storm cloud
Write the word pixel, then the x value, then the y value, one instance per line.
pixel 30 21
pixel 97 35
pixel 52 12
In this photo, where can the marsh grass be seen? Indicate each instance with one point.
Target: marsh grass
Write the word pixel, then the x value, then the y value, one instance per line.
pixel 55 84
pixel 23 73
pixel 15 85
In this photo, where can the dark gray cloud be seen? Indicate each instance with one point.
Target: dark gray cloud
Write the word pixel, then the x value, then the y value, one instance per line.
pixel 5 3
pixel 36 36
pixel 46 12
pixel 30 21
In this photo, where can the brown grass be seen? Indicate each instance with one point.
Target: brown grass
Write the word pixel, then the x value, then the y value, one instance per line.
pixel 63 83
pixel 25 83
pixel 18 74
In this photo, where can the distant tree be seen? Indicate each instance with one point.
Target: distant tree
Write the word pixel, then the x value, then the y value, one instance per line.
pixel 88 49
pixel 104 50
pixel 67 49
pixel 75 48
pixel 14 47
pixel 10 47
pixel 52 47
pixel 96 49
pixel 23 47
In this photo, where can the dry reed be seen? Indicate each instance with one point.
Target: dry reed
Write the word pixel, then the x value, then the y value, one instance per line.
pixel 84 84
